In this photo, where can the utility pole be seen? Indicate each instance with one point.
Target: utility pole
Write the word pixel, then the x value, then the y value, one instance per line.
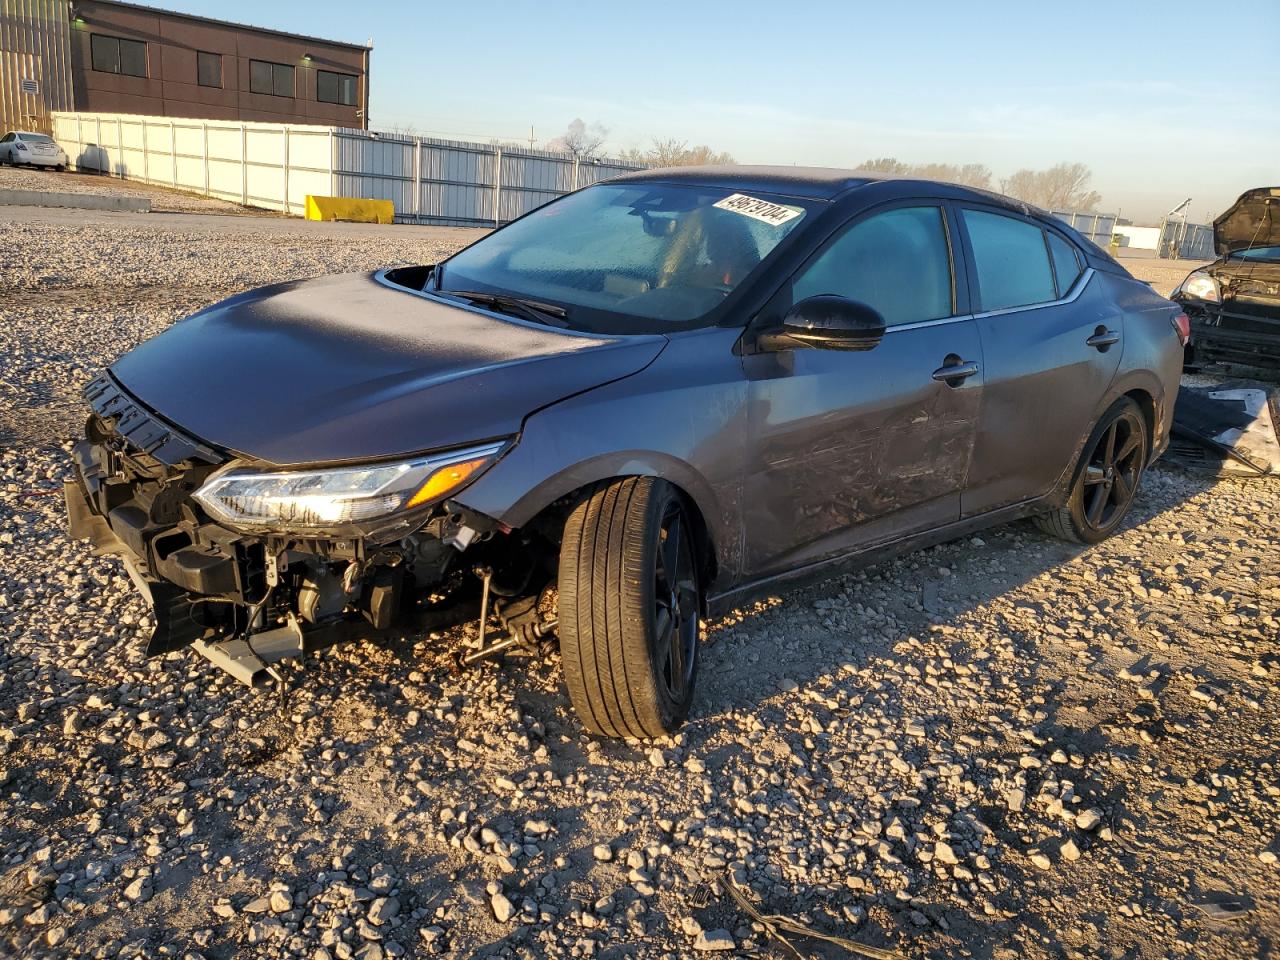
pixel 531 138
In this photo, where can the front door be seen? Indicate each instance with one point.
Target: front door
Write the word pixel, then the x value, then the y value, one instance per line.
pixel 1051 344
pixel 850 449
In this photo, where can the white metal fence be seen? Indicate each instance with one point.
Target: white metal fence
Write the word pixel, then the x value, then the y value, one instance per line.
pixel 276 165
pixel 449 181
pixel 266 165
pixel 1097 227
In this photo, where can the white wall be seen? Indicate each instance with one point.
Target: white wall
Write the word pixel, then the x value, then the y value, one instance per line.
pixel 267 165
pixel 1138 238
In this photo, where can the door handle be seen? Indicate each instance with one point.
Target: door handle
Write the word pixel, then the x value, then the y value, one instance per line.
pixel 953 374
pixel 1103 338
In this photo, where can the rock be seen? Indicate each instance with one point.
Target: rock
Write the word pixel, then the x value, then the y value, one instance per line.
pixel 656 759
pixel 602 852
pixel 503 909
pixel 1040 860
pixel 383 909
pixel 1069 850
pixel 139 891
pixel 1266 856
pixel 786 685
pixel 709 941
pixel 258 905
pixel 1015 799
pixel 690 926
pixel 280 902
pixel 1089 818
pixel 942 851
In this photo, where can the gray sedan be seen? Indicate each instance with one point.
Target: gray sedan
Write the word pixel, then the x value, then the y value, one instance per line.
pixel 633 408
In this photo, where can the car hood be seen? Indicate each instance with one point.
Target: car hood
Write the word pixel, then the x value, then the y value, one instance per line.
pixel 1252 221
pixel 352 367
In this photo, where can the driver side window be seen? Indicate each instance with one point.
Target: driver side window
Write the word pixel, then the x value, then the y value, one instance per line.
pixel 897 262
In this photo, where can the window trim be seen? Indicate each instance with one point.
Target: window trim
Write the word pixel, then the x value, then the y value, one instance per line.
pixel 220 85
pixel 959 306
pixel 273 64
pixel 1081 263
pixel 341 76
pixel 972 265
pixel 146 56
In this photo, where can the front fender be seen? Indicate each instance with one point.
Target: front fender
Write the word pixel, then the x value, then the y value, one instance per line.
pixel 683 419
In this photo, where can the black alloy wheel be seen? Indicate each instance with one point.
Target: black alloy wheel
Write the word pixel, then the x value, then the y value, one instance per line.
pixel 1107 479
pixel 629 608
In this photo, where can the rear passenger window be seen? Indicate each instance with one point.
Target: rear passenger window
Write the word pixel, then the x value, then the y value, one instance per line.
pixel 1011 260
pixel 1066 262
pixel 897 262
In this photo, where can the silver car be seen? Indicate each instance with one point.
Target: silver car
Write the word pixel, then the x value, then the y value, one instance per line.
pixel 33 149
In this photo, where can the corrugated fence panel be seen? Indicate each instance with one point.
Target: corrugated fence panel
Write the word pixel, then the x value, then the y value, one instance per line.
pixel 276 165
pixel 1097 227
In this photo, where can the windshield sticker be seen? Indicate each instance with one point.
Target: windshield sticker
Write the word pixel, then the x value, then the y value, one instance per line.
pixel 770 213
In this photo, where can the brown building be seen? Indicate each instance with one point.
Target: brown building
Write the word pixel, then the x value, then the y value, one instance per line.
pixel 104 56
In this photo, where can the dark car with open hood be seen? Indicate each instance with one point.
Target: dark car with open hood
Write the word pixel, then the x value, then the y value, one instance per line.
pixel 1234 302
pixel 632 409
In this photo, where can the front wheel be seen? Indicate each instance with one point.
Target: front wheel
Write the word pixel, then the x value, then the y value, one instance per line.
pixel 1107 479
pixel 629 602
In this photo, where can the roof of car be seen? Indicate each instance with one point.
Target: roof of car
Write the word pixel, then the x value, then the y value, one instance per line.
pixel 819 183
pixel 30 133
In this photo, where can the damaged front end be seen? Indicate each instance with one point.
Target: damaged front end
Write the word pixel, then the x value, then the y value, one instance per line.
pixel 1234 308
pixel 1234 303
pixel 251 563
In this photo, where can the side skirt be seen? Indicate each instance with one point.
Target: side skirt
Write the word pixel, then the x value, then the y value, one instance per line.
pixel 720 604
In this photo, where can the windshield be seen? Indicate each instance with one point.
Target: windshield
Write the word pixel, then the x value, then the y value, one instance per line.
pixel 1257 253
pixel 629 258
pixel 34 138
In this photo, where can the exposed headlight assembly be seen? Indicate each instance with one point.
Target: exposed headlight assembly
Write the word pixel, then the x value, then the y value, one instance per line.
pixel 377 498
pixel 1200 286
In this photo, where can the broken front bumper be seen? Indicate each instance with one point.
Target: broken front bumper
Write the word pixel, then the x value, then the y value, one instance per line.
pixel 170 568
pixel 1244 333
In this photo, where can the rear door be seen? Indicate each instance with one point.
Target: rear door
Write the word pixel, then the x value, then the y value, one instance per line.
pixel 850 449
pixel 1051 344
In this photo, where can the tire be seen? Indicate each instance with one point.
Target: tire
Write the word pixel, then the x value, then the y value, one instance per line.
pixel 1107 478
pixel 628 629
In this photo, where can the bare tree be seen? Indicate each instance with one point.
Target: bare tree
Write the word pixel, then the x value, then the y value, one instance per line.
pixel 1064 186
pixel 887 165
pixel 967 174
pixel 581 140
pixel 671 152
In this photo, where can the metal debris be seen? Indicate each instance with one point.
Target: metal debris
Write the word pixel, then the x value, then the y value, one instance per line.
pixel 777 926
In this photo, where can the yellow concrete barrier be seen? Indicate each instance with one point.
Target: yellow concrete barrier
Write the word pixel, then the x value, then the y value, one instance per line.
pixel 348 208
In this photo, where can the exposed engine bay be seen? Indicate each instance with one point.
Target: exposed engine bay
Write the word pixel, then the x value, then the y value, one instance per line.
pixel 247 598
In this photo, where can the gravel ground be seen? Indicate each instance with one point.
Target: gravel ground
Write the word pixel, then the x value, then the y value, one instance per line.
pixel 163 199
pixel 1003 747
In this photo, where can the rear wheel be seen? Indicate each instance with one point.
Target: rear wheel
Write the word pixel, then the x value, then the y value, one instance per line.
pixel 1107 479
pixel 629 609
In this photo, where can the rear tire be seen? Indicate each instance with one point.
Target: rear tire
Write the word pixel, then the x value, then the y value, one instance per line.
pixel 1107 478
pixel 629 606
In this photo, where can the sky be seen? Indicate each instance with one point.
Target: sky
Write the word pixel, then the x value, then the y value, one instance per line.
pixel 1163 101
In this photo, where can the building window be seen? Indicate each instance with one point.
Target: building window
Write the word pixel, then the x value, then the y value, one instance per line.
pixel 118 55
pixel 208 69
pixel 273 78
pixel 335 88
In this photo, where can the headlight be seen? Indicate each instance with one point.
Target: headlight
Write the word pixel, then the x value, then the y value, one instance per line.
pixel 1200 286
pixel 342 500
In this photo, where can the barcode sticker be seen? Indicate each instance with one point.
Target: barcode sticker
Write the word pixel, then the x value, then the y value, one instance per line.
pixel 757 209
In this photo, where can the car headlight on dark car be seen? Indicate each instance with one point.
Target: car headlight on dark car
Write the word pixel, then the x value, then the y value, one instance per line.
pixel 340 501
pixel 1200 286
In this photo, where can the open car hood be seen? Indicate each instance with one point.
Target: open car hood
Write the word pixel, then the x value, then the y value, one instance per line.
pixel 352 367
pixel 1252 221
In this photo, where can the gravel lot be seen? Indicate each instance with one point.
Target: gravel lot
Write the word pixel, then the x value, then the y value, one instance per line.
pixel 999 748
pixel 162 198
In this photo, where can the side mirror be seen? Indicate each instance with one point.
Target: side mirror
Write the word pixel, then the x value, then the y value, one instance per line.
pixel 833 323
